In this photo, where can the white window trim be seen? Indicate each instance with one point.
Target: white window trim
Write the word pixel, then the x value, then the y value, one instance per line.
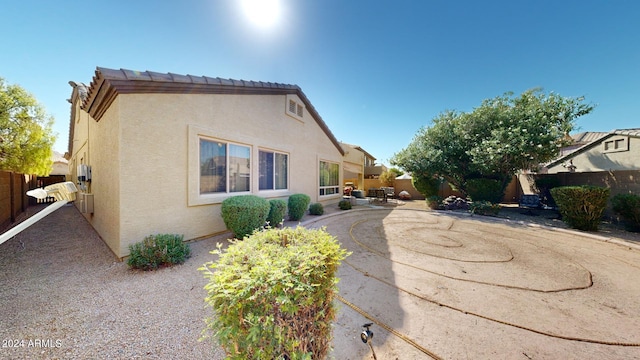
pixel 193 182
pixel 196 132
pixel 273 192
pixel 338 194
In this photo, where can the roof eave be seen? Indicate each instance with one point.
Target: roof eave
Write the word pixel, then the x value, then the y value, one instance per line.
pixel 107 84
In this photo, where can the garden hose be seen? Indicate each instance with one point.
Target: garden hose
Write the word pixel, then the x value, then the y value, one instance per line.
pixel 388 328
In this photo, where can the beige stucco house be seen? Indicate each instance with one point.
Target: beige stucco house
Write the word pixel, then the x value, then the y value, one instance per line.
pixel 356 163
pixel 158 153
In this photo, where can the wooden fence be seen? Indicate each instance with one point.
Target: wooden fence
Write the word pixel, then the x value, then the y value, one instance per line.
pixel 13 198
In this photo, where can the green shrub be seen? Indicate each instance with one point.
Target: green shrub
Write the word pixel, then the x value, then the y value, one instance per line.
pixel 484 208
pixel 158 250
pixel 628 206
pixel 277 210
pixel 297 205
pixel 344 204
pixel 272 294
pixel 581 207
pixel 485 190
pixel 244 214
pixel 316 209
pixel 434 202
pixel 426 185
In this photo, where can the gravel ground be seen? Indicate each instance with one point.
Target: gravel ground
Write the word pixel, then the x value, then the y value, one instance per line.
pixel 64 295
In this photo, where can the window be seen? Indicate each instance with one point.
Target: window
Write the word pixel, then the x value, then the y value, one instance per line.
pixel 329 178
pixel 224 167
pixel 616 144
pixel 274 170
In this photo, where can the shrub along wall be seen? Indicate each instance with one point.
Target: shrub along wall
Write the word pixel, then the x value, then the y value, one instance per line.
pixel 581 207
pixel 620 182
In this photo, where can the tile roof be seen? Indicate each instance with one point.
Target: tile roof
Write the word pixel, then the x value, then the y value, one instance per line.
pixel 587 137
pixel 630 132
pixel 109 83
pixel 151 76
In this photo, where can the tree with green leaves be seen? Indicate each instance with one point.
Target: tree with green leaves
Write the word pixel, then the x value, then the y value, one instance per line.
pixel 26 136
pixel 502 136
pixel 388 177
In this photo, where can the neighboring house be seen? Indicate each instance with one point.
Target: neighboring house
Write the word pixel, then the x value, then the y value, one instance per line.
pixel 356 162
pixel 563 163
pixel 60 165
pixel 579 140
pixel 611 161
pixel 158 153
pixel 371 170
pixel 616 150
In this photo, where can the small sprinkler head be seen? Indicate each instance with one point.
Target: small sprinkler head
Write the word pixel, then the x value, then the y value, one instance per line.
pixel 366 335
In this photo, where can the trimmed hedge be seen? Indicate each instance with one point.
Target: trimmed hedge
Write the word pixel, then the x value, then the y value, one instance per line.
pixel 158 250
pixel 244 214
pixel 272 294
pixel 485 190
pixel 344 204
pixel 277 210
pixel 297 205
pixel 628 207
pixel 581 207
pixel 316 209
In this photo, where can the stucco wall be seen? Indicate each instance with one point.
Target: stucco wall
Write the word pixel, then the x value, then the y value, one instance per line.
pixel 156 163
pixel 106 162
pixel 97 144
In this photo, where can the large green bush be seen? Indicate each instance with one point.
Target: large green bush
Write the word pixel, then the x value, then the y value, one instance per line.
pixel 272 294
pixel 244 214
pixel 427 185
pixel 277 210
pixel 628 206
pixel 297 205
pixel 581 207
pixel 158 250
pixel 485 190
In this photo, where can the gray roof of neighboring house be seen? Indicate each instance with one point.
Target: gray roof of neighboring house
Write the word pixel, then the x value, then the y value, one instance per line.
pixel 58 157
pixel 108 83
pixel 587 137
pixel 635 132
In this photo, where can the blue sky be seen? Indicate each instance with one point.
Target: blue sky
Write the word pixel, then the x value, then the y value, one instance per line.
pixel 376 71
